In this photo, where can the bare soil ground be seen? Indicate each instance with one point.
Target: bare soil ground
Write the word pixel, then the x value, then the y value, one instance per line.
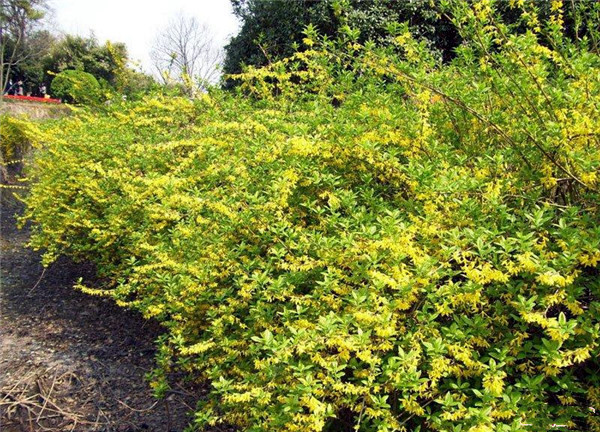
pixel 73 362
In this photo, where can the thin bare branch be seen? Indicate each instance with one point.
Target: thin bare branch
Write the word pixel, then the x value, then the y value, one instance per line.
pixel 185 52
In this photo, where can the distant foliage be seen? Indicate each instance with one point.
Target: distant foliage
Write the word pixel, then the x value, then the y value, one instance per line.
pixel 106 62
pixel 76 86
pixel 22 42
pixel 272 29
pixel 358 238
pixel 43 55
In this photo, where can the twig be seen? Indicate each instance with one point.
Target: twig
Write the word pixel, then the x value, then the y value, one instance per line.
pixel 139 410
pixel 39 280
pixel 168 415
pixel 46 400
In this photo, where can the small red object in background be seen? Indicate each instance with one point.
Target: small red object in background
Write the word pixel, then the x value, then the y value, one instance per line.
pixel 33 99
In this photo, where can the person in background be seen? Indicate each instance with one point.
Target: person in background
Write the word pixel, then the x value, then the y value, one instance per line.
pixel 20 88
pixel 43 90
pixel 9 87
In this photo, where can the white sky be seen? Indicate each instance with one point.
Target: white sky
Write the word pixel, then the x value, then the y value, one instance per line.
pixel 136 22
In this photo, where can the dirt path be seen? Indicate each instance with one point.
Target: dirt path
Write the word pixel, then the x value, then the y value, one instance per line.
pixel 69 361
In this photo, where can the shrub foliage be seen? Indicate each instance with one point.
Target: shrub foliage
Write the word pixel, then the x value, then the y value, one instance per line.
pixel 360 238
pixel 76 86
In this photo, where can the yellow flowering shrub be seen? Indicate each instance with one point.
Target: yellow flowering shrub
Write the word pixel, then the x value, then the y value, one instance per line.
pixel 358 239
pixel 16 136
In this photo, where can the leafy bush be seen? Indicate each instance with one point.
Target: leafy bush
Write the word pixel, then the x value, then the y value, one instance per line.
pixel 76 86
pixel 360 239
pixel 16 136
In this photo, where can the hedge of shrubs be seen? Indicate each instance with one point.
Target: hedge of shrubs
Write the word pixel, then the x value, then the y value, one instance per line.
pixel 360 238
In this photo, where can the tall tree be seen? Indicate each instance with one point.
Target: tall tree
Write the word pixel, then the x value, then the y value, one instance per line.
pixel 274 28
pixel 185 52
pixel 270 29
pixel 19 22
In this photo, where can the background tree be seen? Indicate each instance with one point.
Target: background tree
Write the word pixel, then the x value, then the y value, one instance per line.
pixel 32 69
pixel 108 63
pixel 20 39
pixel 75 52
pixel 272 29
pixel 185 53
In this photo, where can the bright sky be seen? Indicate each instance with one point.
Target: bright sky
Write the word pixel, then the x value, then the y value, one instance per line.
pixel 136 22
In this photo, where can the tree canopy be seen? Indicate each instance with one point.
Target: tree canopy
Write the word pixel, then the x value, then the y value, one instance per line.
pixel 21 40
pixel 31 53
pixel 272 29
pixel 104 61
